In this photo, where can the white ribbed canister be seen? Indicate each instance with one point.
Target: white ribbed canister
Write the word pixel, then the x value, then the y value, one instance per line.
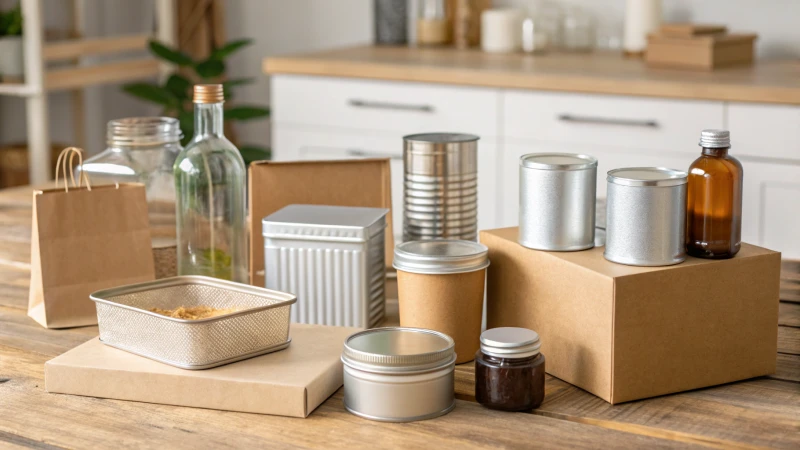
pixel 642 17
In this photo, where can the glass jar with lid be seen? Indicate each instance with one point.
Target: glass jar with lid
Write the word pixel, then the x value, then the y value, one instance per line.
pixel 142 150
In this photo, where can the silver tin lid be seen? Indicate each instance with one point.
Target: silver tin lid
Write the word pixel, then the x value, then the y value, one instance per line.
pixel 398 350
pixel 440 256
pixel 510 342
pixel 325 223
pixel 143 131
pixel 557 161
pixel 440 138
pixel 715 138
pixel 647 176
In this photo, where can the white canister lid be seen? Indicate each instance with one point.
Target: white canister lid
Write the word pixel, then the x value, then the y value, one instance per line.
pixel 440 256
pixel 398 350
pixel 510 342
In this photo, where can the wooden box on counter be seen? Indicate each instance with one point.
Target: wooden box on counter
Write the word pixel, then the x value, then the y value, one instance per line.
pixel 704 52
pixel 625 333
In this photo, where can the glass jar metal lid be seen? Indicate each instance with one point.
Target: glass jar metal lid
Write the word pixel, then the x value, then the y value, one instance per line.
pixel 398 349
pixel 440 256
pixel 647 176
pixel 557 161
pixel 510 342
pixel 143 131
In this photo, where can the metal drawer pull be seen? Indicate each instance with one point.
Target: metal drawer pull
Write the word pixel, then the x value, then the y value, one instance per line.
pixel 387 105
pixel 607 121
pixel 365 154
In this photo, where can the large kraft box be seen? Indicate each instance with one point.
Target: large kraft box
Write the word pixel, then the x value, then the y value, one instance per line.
pixel 624 333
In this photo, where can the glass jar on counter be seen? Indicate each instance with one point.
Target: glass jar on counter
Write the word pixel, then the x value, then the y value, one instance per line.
pixel 142 150
pixel 577 31
pixel 509 370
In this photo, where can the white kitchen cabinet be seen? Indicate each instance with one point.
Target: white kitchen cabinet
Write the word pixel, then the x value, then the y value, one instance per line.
pixel 771 207
pixel 765 131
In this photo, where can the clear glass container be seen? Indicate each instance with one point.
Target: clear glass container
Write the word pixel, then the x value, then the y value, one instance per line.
pixel 433 25
pixel 210 188
pixel 535 37
pixel 577 31
pixel 142 150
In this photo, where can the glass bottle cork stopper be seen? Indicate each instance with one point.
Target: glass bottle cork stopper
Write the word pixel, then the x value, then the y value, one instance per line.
pixel 715 139
pixel 208 93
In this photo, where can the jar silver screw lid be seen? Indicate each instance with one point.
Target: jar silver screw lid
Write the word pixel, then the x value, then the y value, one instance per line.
pixel 711 138
pixel 510 342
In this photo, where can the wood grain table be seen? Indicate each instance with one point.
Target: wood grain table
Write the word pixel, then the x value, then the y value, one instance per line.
pixel 761 412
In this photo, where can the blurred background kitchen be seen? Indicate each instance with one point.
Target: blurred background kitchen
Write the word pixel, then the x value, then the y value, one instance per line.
pixel 86 80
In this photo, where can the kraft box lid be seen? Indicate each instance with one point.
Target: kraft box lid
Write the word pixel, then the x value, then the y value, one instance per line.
pixel 290 382
pixel 624 333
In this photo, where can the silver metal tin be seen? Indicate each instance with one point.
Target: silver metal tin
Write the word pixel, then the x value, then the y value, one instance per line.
pixel 440 178
pixel 440 256
pixel 262 326
pixel 333 258
pixel 557 193
pixel 399 374
pixel 510 342
pixel 646 216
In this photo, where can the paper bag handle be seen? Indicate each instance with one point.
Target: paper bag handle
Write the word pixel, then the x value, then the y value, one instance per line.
pixel 62 163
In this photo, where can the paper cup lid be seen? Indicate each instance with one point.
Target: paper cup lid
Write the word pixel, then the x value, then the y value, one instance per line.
pixel 441 256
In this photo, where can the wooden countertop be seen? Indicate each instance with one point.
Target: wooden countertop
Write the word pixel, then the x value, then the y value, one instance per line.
pixel 598 73
pixel 763 411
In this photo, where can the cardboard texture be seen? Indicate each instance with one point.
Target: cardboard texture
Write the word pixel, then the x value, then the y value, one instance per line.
pixel 290 382
pixel 83 241
pixel 624 333
pixel 354 182
pixel 690 29
pixel 705 52
pixel 448 303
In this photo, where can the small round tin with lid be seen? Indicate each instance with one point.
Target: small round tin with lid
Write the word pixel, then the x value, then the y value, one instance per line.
pixel 440 286
pixel 399 374
pixel 509 369
pixel 646 216
pixel 557 201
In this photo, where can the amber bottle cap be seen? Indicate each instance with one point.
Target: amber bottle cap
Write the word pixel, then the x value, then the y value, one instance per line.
pixel 510 342
pixel 208 93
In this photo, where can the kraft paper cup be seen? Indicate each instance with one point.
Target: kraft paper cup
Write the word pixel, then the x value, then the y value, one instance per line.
pixel 440 285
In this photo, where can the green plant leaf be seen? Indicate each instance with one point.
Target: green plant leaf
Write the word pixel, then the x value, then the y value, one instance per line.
pixel 179 86
pixel 228 85
pixel 210 68
pixel 229 48
pixel 246 113
pixel 171 55
pixel 153 93
pixel 186 120
pixel 252 153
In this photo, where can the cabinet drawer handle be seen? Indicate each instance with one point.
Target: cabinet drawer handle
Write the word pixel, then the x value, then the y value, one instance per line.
pixel 366 154
pixel 608 121
pixel 388 105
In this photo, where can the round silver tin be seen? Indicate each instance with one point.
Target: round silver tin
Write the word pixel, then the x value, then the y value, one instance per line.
pixel 646 216
pixel 510 342
pixel 440 256
pixel 399 374
pixel 557 194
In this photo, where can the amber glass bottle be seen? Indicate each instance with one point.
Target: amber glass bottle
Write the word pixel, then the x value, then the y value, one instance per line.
pixel 714 199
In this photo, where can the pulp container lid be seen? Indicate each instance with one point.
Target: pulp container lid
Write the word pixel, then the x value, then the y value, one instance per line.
pixel 440 256
pixel 558 161
pixel 325 223
pixel 398 349
pixel 647 176
pixel 510 342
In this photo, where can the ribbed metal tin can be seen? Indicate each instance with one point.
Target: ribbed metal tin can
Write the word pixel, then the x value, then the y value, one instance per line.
pixel 440 186
pixel 399 374
pixel 557 194
pixel 646 216
pixel 332 258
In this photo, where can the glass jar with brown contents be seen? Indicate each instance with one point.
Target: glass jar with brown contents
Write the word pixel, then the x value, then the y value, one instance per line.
pixel 509 370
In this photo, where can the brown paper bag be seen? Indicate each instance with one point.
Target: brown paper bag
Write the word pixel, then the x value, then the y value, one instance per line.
pixel 85 239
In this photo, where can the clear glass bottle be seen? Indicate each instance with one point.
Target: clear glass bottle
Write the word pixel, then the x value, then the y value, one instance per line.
pixel 714 199
pixel 210 189
pixel 142 150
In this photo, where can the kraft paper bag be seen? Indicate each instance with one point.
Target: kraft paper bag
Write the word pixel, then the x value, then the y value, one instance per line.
pixel 85 239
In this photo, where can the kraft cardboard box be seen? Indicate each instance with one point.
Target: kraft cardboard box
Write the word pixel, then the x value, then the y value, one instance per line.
pixel 624 333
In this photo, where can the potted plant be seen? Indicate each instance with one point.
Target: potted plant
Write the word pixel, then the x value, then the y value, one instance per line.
pixel 11 63
pixel 175 94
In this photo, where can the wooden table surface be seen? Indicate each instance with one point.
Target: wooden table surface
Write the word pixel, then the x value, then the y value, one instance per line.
pixel 597 73
pixel 762 412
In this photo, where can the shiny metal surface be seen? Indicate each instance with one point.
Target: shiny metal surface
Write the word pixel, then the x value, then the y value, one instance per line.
pixel 557 194
pixel 260 326
pixel 646 224
pixel 143 131
pixel 321 222
pixel 647 176
pixel 440 256
pixel 440 178
pixel 510 342
pixel 398 350
pixel 715 138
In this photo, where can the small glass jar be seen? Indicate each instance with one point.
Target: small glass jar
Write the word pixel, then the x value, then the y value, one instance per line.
pixel 577 31
pixel 433 25
pixel 509 370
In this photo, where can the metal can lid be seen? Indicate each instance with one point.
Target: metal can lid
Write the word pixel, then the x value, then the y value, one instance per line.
pixel 715 138
pixel 441 138
pixel 398 350
pixel 440 256
pixel 557 161
pixel 647 176
pixel 143 131
pixel 510 342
